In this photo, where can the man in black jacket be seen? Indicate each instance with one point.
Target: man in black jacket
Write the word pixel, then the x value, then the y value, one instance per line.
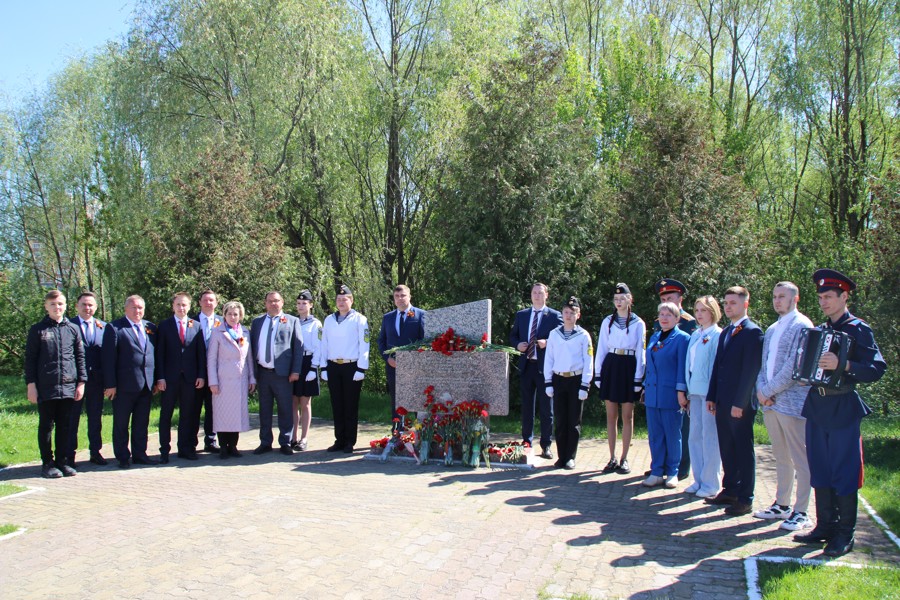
pixel 55 374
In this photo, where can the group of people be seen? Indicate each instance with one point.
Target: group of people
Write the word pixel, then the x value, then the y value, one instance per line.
pixel 701 385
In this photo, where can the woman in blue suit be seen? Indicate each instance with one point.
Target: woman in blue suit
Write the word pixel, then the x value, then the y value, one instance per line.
pixel 665 394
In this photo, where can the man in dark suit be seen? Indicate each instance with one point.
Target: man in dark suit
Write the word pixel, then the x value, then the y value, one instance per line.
pixel 402 326
pixel 732 399
pixel 181 363
pixel 129 379
pixel 208 320
pixel 529 336
pixel 92 335
pixel 277 361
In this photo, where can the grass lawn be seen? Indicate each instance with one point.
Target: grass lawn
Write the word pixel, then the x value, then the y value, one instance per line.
pixel 8 489
pixel 790 581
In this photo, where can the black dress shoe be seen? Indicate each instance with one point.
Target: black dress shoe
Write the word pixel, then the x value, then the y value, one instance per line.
pixel 738 509
pixel 49 471
pixel 721 499
pixel 233 451
pixel 335 447
pixel 816 536
pixel 163 459
pixel 98 459
pixel 223 452
pixel 144 460
pixel 125 464
pixel 286 450
pixel 839 545
pixel 348 449
pixel 559 464
pixel 188 455
pixel 547 453
pixel 211 447
pixel 262 449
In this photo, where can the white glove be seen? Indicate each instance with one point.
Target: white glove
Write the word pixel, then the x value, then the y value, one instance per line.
pixel 311 376
pixel 358 376
pixel 637 389
pixel 582 394
pixel 597 383
pixel 324 375
pixel 549 392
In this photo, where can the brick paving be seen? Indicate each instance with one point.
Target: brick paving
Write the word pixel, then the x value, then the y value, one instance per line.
pixel 319 525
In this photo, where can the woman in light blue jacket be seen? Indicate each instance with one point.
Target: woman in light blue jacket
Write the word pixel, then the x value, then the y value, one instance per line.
pixel 703 441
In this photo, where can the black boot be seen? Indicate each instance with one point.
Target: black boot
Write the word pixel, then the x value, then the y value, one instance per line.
pixel 842 541
pixel 826 519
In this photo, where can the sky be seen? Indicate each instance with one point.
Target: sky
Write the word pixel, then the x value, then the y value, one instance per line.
pixel 38 37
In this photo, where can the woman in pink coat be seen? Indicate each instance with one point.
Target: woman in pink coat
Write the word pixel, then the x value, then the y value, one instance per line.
pixel 230 373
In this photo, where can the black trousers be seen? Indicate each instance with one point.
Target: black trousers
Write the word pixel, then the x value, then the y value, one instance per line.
pixel 131 409
pixel 738 454
pixel 92 405
pixel 180 393
pixel 567 411
pixel 534 393
pixel 54 413
pixel 344 402
pixel 202 402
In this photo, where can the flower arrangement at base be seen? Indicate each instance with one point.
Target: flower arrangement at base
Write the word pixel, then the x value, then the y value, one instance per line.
pixel 514 453
pixel 449 342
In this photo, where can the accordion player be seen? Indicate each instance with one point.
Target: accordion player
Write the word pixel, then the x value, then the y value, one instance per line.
pixel 814 342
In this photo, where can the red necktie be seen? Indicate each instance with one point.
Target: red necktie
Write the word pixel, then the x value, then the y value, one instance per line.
pixel 181 331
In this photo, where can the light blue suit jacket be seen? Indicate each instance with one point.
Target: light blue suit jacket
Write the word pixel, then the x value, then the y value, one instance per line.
pixel 698 379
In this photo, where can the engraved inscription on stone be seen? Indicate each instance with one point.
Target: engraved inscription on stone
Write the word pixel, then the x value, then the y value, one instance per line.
pixel 482 376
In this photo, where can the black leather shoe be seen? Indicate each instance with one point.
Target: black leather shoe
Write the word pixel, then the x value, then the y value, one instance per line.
pixel 49 471
pixel 738 509
pixel 233 451
pixel 262 449
pixel 721 499
pixel 163 459
pixel 839 545
pixel 188 455
pixel 98 459
pixel 335 447
pixel 818 535
pixel 286 450
pixel 144 460
pixel 559 464
pixel 68 471
pixel 223 452
pixel 547 453
pixel 211 447
pixel 348 449
pixel 125 464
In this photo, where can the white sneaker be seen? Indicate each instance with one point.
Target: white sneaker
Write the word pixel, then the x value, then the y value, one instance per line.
pixel 672 481
pixel 652 481
pixel 776 511
pixel 692 489
pixel 796 522
pixel 705 494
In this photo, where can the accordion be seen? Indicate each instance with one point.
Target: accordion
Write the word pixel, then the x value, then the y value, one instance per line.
pixel 815 342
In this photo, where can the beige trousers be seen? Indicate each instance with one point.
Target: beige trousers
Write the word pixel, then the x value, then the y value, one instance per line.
pixel 788 436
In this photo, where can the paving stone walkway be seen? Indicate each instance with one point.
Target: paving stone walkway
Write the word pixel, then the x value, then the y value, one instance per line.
pixel 319 525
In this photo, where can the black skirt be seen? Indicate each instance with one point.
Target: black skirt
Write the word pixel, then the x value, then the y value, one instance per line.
pixel 303 387
pixel 617 378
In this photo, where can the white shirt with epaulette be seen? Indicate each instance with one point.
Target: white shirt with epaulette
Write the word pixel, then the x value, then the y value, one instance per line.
pixel 568 355
pixel 348 340
pixel 311 328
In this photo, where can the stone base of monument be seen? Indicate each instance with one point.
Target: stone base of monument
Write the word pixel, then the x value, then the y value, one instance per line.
pixel 439 462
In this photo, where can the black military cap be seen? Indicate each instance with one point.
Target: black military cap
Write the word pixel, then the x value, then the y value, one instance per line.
pixel 666 286
pixel 344 290
pixel 573 303
pixel 305 295
pixel 622 288
pixel 829 279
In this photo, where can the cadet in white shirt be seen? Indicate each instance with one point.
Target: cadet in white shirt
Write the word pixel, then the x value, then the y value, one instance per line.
pixel 568 370
pixel 308 385
pixel 345 348
pixel 618 372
